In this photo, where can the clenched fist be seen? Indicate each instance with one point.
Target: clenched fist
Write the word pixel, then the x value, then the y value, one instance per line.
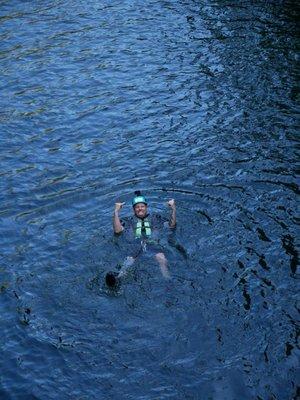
pixel 118 206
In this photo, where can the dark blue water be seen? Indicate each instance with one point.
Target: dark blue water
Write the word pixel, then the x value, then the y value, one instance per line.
pixel 191 100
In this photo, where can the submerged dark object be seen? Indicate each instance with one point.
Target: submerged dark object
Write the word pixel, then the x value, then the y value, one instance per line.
pixel 111 279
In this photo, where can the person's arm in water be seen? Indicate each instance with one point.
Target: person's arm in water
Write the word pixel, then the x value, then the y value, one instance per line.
pixel 172 221
pixel 118 228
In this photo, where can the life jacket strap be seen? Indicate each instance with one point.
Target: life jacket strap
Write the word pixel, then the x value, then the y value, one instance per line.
pixel 142 227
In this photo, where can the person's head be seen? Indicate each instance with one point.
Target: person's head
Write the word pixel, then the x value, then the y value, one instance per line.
pixel 139 204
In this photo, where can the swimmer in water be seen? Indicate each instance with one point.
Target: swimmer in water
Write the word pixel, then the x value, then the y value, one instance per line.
pixel 142 228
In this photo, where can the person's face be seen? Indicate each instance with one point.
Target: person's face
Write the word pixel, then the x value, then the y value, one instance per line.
pixel 140 210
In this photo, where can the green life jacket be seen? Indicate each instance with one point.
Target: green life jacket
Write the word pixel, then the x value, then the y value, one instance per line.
pixel 142 227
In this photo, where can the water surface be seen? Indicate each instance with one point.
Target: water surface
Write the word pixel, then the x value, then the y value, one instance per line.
pixel 191 100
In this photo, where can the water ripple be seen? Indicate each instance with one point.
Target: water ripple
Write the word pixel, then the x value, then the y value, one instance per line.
pixel 179 99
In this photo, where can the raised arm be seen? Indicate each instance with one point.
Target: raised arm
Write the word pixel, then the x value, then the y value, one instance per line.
pixel 172 221
pixel 118 228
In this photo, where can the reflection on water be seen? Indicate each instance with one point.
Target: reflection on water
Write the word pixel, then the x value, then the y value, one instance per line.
pixel 196 102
